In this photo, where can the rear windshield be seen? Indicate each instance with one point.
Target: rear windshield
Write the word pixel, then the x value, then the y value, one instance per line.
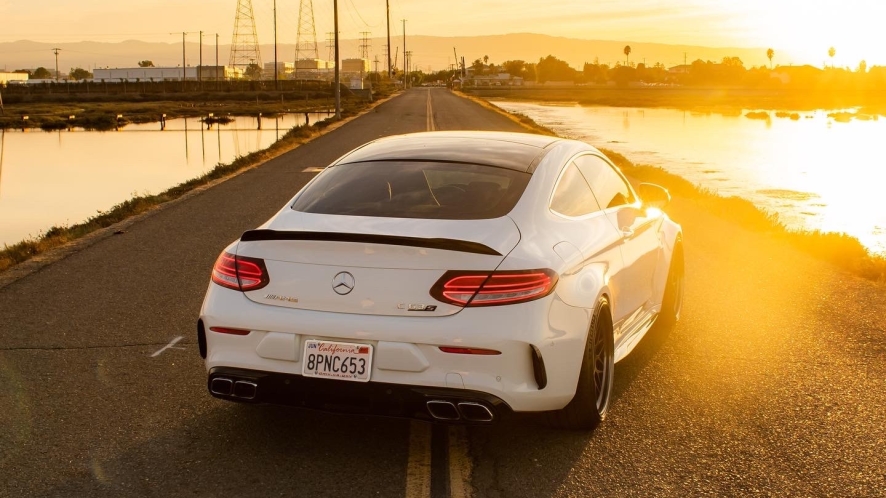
pixel 407 189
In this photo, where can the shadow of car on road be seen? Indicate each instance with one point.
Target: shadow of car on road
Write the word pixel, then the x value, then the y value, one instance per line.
pixel 524 448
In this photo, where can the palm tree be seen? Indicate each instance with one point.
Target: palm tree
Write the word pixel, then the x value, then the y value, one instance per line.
pixel 627 52
pixel 831 53
pixel 485 59
pixel 770 53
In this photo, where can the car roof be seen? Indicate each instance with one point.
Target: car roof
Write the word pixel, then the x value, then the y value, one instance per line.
pixel 516 151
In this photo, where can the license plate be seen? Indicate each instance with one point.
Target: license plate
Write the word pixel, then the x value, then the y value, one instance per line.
pixel 337 360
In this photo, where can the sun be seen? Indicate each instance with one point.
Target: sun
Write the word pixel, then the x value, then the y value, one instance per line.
pixel 803 32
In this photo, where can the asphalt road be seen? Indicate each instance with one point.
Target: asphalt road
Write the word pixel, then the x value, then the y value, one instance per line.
pixel 774 382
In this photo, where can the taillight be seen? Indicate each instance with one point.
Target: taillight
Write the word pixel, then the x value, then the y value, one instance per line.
pixel 239 272
pixel 472 288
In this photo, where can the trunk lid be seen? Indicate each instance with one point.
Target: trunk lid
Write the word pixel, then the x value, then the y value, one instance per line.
pixel 370 265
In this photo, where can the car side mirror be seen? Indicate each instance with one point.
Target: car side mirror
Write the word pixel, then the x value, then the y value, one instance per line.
pixel 653 195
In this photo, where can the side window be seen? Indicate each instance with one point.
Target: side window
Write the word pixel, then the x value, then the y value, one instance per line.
pixel 609 187
pixel 573 197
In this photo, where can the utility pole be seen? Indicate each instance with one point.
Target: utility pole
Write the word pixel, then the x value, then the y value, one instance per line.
pixel 216 61
pixel 337 68
pixel 388 5
pixel 56 51
pixel 684 58
pixel 404 54
pixel 184 68
pixel 200 66
pixel 276 67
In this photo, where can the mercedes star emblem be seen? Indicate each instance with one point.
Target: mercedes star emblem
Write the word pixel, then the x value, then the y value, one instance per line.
pixel 343 283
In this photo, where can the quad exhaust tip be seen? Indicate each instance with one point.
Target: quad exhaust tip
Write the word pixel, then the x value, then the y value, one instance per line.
pixel 243 389
pixel 222 387
pixel 475 412
pixel 469 411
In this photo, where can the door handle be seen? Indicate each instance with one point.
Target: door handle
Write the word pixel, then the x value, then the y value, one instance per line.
pixel 627 232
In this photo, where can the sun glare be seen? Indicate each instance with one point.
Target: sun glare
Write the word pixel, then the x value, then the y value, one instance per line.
pixel 802 32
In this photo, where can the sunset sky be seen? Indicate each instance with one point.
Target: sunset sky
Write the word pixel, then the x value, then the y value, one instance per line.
pixel 800 31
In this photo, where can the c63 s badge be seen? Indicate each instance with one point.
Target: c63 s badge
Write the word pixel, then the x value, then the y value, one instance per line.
pixel 416 307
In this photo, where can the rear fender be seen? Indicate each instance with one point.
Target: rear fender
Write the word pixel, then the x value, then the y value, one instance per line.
pixel 671 233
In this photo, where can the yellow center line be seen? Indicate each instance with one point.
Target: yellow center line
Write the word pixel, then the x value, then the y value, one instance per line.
pixel 431 125
pixel 459 463
pixel 418 468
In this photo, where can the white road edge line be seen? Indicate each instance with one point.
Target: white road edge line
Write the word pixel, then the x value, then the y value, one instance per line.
pixel 168 346
pixel 418 468
pixel 459 464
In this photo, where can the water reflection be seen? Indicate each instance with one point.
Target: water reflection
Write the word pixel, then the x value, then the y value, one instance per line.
pixel 63 177
pixel 814 172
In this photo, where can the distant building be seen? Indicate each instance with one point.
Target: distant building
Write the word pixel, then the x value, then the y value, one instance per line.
pixel 500 79
pixel 14 78
pixel 134 74
pixel 681 69
pixel 314 69
pixel 559 83
pixel 797 75
pixel 355 65
pixel 284 68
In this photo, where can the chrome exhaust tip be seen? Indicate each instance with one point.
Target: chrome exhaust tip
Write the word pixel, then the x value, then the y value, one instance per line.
pixel 245 389
pixel 221 386
pixel 443 410
pixel 475 412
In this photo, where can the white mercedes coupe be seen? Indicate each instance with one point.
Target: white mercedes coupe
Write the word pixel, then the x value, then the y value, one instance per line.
pixel 450 276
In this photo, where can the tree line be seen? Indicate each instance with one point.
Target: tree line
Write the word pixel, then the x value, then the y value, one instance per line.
pixel 729 71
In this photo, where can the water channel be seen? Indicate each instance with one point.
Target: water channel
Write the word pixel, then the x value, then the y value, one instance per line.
pixel 64 177
pixel 815 171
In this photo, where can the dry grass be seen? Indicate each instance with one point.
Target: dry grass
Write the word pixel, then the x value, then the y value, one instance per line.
pixel 713 99
pixel 838 248
pixel 103 115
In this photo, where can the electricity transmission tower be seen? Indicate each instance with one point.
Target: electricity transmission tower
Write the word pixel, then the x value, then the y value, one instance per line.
pixel 330 46
pixel 364 44
pixel 306 38
pixel 244 45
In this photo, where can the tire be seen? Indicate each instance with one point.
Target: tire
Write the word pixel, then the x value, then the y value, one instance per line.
pixel 672 303
pixel 592 395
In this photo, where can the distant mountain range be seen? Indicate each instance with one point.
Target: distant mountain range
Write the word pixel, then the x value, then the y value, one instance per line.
pixel 429 51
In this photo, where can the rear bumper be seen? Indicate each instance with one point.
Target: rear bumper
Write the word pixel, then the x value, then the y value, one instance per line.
pixel 406 349
pixel 367 398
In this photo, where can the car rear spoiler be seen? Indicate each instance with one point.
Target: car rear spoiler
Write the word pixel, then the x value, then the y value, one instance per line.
pixel 366 238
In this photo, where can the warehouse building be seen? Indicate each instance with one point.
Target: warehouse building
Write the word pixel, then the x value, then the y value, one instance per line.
pixel 14 78
pixel 134 74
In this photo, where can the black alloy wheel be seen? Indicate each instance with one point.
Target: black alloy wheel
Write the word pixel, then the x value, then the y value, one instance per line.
pixel 592 395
